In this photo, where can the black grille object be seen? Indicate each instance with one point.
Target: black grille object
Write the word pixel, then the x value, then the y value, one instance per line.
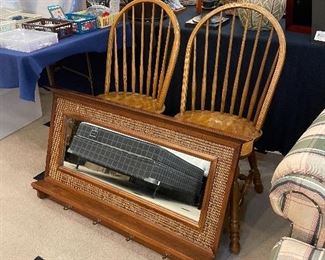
pixel 136 158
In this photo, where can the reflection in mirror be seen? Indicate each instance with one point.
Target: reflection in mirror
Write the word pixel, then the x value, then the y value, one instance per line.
pixel 166 177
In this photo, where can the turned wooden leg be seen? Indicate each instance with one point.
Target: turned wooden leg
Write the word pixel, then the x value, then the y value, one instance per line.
pixel 234 217
pixel 258 185
pixel 41 195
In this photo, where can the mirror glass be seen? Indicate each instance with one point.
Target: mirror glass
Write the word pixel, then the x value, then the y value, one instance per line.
pixel 166 177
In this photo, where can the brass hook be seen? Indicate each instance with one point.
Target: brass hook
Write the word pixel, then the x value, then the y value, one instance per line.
pixel 67 207
pixel 129 238
pixel 97 221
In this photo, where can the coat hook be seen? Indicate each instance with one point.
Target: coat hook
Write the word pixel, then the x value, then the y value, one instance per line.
pixel 67 207
pixel 97 221
pixel 128 238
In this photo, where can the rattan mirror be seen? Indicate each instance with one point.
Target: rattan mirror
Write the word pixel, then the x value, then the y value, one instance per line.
pixel 158 181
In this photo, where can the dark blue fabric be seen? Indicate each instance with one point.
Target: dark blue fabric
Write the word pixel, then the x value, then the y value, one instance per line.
pixel 19 69
pixel 298 99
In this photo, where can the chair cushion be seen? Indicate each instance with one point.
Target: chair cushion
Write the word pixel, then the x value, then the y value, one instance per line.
pixel 231 124
pixel 291 249
pixel 138 101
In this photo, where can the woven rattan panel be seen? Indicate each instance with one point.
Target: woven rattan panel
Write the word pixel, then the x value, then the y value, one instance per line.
pixel 223 154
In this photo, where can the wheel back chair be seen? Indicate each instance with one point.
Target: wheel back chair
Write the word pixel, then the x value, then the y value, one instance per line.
pixel 230 75
pixel 142 68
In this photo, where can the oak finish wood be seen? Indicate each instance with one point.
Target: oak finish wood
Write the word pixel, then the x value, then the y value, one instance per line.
pixel 182 238
pixel 239 102
pixel 132 227
pixel 148 85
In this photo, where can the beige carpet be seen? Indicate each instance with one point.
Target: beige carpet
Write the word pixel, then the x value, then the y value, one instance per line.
pixel 30 227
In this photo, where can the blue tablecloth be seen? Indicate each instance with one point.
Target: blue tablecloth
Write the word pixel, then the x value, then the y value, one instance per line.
pixel 19 69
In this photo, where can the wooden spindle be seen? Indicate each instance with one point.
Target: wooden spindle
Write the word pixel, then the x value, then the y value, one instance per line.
pixel 141 51
pixel 240 59
pixel 250 69
pixel 216 66
pixel 266 87
pixel 205 65
pixel 155 75
pixel 150 50
pixel 187 64
pixel 125 67
pixel 226 78
pixel 259 77
pixel 116 70
pixel 194 77
pixel 133 79
pixel 163 66
pixel 112 35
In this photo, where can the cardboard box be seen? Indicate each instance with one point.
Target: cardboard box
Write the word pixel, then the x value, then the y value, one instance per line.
pixel 16 113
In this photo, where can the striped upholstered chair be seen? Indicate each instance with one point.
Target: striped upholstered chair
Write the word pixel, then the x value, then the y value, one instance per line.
pixel 298 194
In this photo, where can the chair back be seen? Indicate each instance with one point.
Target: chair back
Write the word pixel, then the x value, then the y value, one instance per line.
pixel 231 69
pixel 142 59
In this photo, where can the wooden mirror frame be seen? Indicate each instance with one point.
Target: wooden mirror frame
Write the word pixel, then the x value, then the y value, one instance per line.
pixel 167 232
